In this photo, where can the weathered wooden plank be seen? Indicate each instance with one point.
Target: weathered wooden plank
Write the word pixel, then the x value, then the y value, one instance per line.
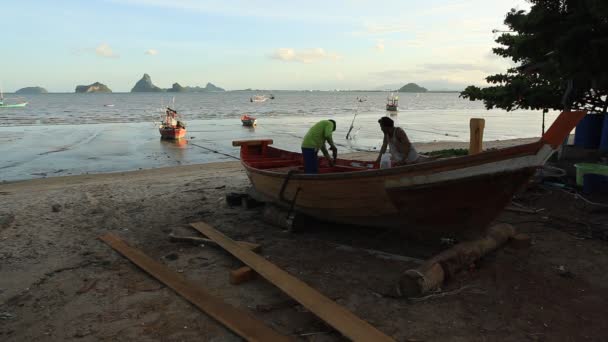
pixel 333 314
pixel 235 319
pixel 476 143
pixel 252 142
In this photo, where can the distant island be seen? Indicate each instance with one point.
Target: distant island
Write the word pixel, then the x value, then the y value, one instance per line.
pixel 177 88
pixel 93 88
pixel 31 90
pixel 412 88
pixel 145 85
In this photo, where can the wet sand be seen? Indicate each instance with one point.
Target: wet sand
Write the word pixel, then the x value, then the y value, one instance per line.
pixel 58 282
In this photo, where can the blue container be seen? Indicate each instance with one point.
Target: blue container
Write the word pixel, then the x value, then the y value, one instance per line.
pixel 604 140
pixel 589 131
pixel 595 184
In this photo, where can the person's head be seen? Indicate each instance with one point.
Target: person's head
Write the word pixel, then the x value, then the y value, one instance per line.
pixel 334 122
pixel 386 124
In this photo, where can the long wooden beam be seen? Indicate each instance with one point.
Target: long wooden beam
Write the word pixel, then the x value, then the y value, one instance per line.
pixel 333 314
pixel 235 319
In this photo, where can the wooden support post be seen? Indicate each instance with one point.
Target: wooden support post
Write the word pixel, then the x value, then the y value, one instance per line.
pixel 476 143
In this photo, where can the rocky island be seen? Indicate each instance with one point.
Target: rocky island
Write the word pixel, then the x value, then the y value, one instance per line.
pixel 31 90
pixel 412 88
pixel 93 88
pixel 145 85
pixel 210 87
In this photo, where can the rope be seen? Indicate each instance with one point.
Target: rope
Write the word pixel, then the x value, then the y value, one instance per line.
pixel 214 151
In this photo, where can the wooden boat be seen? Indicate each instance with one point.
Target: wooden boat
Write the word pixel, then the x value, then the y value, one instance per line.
pixel 170 127
pixel 457 196
pixel 392 103
pixel 258 98
pixel 10 105
pixel 248 121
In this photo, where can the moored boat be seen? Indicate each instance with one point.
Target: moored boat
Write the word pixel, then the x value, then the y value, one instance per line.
pixel 457 196
pixel 258 98
pixel 170 127
pixel 392 103
pixel 11 105
pixel 248 121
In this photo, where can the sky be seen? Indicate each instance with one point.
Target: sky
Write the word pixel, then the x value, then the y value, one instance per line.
pixel 260 44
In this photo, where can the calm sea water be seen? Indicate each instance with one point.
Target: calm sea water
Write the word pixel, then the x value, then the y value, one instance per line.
pixel 63 134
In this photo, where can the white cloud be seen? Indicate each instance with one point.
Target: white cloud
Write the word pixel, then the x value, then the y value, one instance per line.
pixel 304 56
pixel 104 50
pixel 380 45
pixel 151 52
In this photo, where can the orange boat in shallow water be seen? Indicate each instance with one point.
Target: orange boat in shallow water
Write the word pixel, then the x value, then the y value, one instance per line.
pixel 456 197
pixel 170 127
pixel 247 120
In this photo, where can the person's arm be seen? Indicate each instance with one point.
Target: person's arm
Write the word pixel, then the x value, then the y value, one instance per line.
pixel 382 149
pixel 326 154
pixel 329 138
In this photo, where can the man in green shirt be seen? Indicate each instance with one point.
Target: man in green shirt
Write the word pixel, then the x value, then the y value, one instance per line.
pixel 314 140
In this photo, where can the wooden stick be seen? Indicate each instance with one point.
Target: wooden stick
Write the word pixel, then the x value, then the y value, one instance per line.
pixel 236 320
pixel 335 315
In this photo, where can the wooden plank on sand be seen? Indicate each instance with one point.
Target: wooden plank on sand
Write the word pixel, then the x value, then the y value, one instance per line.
pixel 333 314
pixel 235 319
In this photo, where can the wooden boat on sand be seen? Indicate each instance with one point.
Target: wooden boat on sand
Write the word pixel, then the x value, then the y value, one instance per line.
pixel 457 196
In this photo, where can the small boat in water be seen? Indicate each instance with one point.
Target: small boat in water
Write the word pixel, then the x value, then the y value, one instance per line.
pixel 3 104
pixel 392 103
pixel 248 121
pixel 451 197
pixel 258 98
pixel 171 127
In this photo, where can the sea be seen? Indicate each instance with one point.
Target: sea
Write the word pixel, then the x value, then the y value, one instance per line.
pixel 70 134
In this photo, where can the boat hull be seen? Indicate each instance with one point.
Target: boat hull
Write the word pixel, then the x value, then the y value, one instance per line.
pixel 172 133
pixel 391 108
pixel 453 197
pixel 248 123
pixel 17 105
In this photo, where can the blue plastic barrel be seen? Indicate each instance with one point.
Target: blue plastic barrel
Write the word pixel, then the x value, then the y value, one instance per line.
pixel 588 132
pixel 604 140
pixel 595 184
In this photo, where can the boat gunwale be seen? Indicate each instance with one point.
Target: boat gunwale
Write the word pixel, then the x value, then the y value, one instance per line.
pixel 436 165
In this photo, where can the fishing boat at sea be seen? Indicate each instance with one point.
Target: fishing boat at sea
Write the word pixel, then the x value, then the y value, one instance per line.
pixel 258 98
pixel 22 103
pixel 248 121
pixel 392 102
pixel 457 196
pixel 171 127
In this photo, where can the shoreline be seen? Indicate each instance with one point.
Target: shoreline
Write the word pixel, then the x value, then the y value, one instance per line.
pixel 213 165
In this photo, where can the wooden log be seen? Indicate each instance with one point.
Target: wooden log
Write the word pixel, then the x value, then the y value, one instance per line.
pixel 241 275
pixel 476 143
pixel 333 314
pixel 236 320
pixel 433 272
pixel 520 241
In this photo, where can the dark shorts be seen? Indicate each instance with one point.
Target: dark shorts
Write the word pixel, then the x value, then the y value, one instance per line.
pixel 311 161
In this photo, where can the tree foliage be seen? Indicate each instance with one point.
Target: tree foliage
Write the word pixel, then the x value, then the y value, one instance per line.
pixel 558 45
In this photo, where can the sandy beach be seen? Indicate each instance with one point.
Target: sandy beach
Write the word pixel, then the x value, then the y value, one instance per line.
pixel 58 282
